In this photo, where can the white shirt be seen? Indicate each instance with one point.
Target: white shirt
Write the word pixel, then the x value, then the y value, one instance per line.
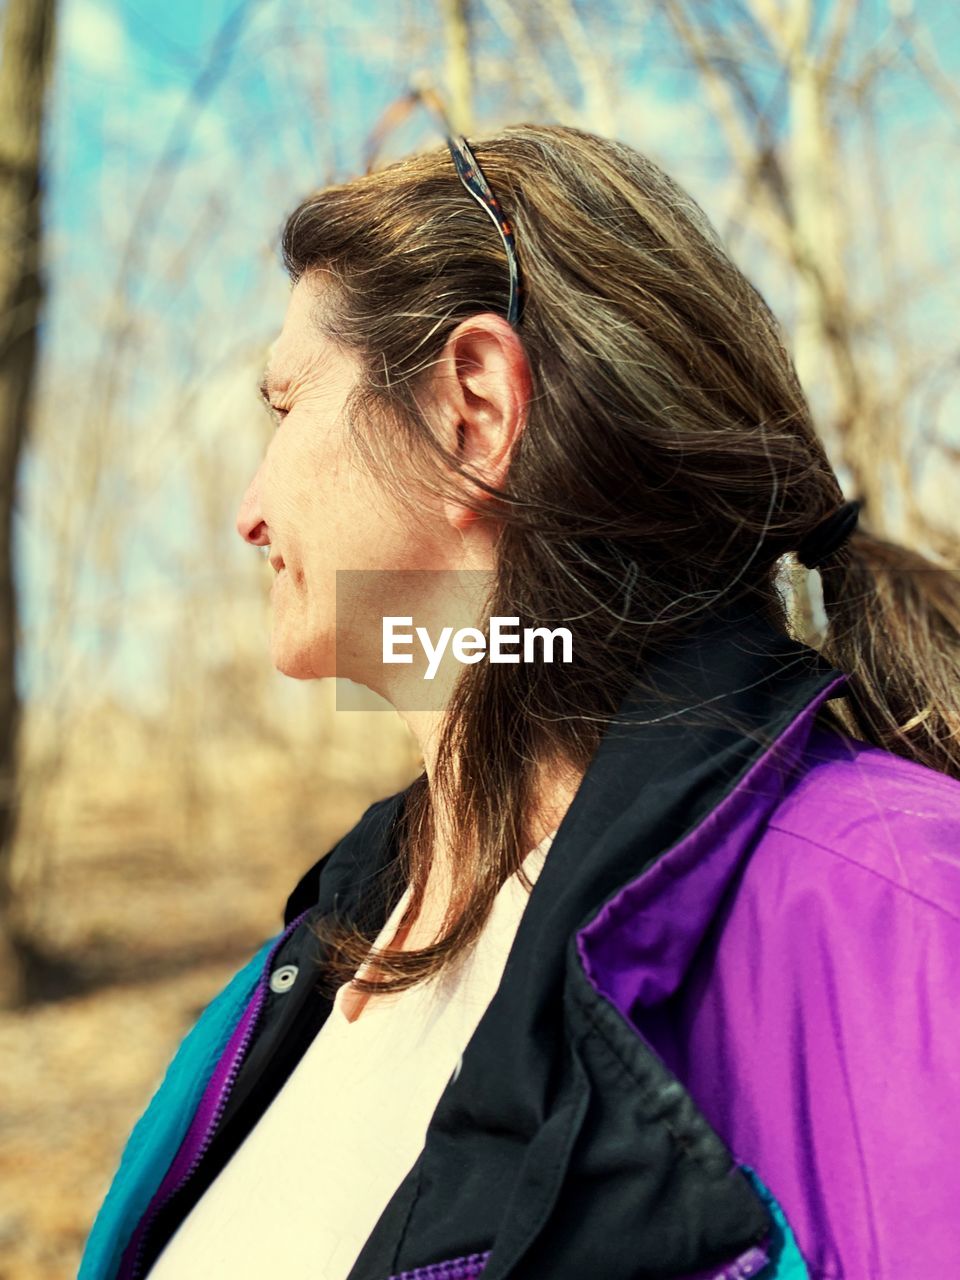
pixel 305 1189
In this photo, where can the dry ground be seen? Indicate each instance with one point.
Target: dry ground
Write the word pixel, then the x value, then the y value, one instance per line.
pixel 150 933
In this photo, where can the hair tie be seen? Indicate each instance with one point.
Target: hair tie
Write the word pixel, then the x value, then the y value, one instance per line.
pixel 827 536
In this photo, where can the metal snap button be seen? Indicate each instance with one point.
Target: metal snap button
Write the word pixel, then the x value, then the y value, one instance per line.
pixel 282 979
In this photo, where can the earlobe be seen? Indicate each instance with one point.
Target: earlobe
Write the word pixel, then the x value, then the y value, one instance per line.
pixel 458 515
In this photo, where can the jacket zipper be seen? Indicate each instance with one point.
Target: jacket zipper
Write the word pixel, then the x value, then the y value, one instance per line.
pixel 744 1266
pixel 200 1133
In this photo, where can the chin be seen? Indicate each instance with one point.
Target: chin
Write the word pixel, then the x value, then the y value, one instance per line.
pixel 301 662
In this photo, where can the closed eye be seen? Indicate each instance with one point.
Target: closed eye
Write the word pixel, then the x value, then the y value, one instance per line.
pixel 277 412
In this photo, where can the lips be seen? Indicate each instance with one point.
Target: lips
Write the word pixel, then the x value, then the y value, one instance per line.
pixel 277 562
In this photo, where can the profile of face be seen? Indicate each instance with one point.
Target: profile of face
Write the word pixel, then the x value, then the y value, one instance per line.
pixel 320 510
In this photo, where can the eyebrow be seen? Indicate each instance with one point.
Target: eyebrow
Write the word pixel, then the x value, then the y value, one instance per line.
pixel 264 388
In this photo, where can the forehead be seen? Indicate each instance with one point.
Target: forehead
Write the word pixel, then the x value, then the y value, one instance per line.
pixel 300 346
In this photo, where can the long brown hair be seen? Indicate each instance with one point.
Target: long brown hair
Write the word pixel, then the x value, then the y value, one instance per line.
pixel 665 403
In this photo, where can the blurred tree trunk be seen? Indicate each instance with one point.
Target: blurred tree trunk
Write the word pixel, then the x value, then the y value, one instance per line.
pixel 459 72
pixel 27 53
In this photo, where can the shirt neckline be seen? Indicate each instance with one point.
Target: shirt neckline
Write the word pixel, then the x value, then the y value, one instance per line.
pixel 389 931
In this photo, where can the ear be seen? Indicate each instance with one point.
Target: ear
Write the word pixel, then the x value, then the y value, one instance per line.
pixel 483 388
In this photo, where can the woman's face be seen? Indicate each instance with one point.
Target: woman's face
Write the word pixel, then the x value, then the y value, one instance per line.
pixel 321 513
pixel 318 511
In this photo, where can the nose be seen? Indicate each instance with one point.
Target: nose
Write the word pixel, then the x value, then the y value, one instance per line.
pixel 251 525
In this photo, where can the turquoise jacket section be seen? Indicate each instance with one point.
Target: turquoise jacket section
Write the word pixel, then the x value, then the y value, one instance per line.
pixel 160 1130
pixel 786 1261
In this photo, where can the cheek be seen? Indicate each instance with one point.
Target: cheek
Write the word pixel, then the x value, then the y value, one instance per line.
pixel 296 487
pixel 330 513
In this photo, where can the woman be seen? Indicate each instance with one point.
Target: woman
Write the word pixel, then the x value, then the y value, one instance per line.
pixel 718 1036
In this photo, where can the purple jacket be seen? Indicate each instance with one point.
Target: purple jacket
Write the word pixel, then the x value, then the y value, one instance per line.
pixel 807 996
pixel 724 1044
